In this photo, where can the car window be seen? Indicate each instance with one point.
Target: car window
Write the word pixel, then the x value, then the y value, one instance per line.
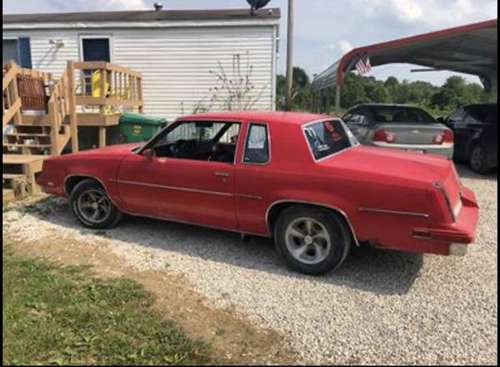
pixel 482 113
pixel 257 144
pixel 355 119
pixel 400 114
pixel 457 115
pixel 198 140
pixel 328 137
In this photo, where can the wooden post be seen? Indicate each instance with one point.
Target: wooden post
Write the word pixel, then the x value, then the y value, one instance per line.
pixel 54 149
pixel 73 119
pixel 102 136
pixel 139 87
pixel 18 117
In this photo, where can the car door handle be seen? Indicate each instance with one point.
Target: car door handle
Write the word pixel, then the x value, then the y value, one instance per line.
pixel 222 174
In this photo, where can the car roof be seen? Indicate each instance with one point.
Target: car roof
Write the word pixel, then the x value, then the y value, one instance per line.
pixel 479 105
pixel 274 117
pixel 386 105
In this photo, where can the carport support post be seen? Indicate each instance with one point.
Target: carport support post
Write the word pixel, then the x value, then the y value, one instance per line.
pixel 289 56
pixel 337 98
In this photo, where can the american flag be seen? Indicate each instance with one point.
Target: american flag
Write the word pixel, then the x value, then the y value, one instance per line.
pixel 363 65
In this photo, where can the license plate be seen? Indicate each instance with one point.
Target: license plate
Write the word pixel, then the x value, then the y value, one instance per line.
pixel 416 151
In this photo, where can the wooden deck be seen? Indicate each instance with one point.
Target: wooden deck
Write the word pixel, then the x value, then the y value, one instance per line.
pixel 90 94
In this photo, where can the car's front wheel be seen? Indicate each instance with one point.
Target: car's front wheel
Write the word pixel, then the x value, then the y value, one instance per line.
pixel 92 206
pixel 312 240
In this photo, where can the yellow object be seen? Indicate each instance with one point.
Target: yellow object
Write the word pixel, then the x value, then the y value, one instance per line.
pixel 96 83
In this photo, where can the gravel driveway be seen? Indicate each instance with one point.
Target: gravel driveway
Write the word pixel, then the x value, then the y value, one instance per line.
pixel 379 307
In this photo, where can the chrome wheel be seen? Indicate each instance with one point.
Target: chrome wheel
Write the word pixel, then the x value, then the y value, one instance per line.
pixel 94 206
pixel 307 240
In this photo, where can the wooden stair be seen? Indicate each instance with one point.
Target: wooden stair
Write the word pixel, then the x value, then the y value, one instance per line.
pixel 30 138
pixel 35 139
pixel 19 172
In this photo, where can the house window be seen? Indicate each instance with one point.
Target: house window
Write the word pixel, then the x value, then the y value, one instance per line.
pixel 17 49
pixel 96 49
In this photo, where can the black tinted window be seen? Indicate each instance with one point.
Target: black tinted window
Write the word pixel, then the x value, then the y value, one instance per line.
pixel 257 145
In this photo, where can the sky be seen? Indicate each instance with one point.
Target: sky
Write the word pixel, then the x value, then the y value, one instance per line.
pixel 324 29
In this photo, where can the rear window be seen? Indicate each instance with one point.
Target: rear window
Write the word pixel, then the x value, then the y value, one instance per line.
pixel 401 115
pixel 483 113
pixel 328 137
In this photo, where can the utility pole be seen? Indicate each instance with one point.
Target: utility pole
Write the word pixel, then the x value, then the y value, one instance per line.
pixel 289 55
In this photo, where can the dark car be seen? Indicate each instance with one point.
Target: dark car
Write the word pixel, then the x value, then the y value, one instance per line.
pixel 476 140
pixel 399 126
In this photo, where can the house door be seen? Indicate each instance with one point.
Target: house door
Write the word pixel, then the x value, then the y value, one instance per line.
pixel 94 49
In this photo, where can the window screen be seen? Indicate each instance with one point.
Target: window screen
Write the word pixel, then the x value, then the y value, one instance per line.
pixel 257 145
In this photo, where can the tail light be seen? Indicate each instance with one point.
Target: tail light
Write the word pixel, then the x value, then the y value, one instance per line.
pixel 444 137
pixel 384 136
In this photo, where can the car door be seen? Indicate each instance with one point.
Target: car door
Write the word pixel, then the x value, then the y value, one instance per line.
pixel 254 177
pixel 182 189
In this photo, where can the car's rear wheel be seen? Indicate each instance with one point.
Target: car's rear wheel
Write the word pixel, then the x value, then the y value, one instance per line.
pixel 92 206
pixel 477 159
pixel 312 240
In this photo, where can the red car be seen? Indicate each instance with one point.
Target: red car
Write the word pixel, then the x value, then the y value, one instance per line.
pixel 302 179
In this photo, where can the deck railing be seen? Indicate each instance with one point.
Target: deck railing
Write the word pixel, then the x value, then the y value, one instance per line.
pixel 108 86
pixel 11 102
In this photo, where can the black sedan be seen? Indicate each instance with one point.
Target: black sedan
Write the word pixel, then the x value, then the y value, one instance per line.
pixel 476 140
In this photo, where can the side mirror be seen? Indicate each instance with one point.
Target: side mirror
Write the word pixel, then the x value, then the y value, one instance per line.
pixel 148 153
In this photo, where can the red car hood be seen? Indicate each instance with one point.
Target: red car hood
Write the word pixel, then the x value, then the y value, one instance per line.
pixel 119 149
pixel 394 165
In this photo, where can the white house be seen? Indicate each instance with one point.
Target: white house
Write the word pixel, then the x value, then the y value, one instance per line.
pixel 178 52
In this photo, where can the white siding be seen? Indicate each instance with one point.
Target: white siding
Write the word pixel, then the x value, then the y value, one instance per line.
pixel 175 62
pixel 45 56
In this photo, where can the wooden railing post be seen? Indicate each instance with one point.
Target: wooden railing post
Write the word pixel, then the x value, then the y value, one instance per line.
pixel 73 122
pixel 54 149
pixel 102 108
pixel 139 87
pixel 18 117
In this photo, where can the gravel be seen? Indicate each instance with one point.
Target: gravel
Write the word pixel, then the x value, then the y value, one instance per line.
pixel 379 307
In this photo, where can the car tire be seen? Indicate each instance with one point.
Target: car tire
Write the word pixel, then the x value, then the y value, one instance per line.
pixel 312 240
pixel 92 206
pixel 477 159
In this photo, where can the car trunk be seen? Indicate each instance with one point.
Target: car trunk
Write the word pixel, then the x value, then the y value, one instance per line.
pixel 412 134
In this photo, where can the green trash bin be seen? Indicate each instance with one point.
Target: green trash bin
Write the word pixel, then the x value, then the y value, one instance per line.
pixel 135 127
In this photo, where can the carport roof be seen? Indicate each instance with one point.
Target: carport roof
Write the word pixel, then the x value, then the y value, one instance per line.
pixel 470 49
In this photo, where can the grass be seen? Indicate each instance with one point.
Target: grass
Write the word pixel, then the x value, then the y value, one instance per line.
pixel 62 315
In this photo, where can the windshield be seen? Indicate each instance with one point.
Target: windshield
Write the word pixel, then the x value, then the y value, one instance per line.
pixel 328 137
pixel 400 114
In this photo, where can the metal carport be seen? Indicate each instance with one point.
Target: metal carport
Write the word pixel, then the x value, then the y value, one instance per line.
pixel 470 49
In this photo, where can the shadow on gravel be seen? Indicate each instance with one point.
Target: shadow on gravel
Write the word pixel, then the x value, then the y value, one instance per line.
pixel 366 269
pixel 466 172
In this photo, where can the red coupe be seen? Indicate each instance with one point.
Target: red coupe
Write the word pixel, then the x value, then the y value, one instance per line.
pixel 302 179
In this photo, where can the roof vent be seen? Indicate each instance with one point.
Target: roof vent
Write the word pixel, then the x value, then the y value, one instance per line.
pixel 158 6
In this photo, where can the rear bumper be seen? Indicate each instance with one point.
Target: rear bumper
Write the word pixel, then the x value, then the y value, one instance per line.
pixel 463 231
pixel 445 151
